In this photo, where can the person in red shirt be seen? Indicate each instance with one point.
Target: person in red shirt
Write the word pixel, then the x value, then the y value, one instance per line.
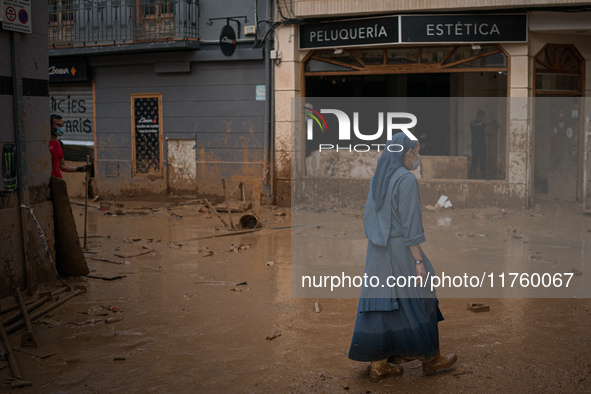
pixel 58 163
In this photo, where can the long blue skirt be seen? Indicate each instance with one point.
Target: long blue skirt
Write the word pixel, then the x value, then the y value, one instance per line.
pixel 410 331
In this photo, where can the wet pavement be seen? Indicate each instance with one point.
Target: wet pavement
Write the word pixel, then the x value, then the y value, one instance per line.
pixel 188 325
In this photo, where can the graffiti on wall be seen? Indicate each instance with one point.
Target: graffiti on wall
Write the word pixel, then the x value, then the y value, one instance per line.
pixel 75 107
pixel 9 165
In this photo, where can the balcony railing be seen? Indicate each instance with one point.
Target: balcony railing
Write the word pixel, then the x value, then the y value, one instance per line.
pixel 74 23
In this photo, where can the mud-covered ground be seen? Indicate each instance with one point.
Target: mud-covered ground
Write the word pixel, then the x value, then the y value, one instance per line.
pixel 188 327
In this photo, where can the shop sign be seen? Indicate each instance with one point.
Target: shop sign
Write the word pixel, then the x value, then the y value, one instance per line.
pixel 415 29
pixel 227 40
pixel 71 70
pixel 369 31
pixel 463 28
pixel 16 15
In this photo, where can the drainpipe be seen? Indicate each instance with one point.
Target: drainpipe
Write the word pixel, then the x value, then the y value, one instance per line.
pixel 19 140
pixel 256 18
pixel 267 136
pixel 272 132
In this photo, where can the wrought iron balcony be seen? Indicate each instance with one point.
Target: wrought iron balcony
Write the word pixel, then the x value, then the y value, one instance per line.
pixel 92 23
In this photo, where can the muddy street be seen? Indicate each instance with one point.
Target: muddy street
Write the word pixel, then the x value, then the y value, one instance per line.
pixel 217 314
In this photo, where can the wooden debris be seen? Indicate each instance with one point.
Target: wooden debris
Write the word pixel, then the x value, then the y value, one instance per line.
pixel 273 336
pixel 125 256
pixel 107 260
pixel 105 277
pixel 317 307
pixel 476 308
pixel 215 212
pixel 217 282
pixel 114 319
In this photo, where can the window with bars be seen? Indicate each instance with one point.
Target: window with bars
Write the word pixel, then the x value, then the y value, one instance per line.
pixel 157 8
pixel 60 11
pixel 559 70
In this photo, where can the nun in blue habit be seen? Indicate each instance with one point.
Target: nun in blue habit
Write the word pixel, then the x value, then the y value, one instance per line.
pixel 395 324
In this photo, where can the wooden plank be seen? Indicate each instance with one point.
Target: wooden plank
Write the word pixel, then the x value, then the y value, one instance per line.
pixel 337 63
pixel 405 70
pixel 256 190
pixel 361 62
pixel 469 59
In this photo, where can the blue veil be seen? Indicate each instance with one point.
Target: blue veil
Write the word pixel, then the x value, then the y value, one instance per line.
pixel 377 216
pixel 388 163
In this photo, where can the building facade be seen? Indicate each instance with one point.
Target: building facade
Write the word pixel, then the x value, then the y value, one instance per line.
pixel 168 96
pixel 526 65
pixel 25 207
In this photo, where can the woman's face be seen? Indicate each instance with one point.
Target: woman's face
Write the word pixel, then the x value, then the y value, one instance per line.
pixel 411 156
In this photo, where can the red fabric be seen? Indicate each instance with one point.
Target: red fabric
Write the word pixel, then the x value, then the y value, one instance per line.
pixel 57 154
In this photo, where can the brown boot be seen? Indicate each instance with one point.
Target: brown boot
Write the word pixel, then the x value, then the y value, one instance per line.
pixel 439 362
pixel 381 369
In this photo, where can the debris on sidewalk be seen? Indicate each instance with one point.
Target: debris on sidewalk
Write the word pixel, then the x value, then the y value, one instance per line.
pixel 109 261
pixel 249 221
pixel 273 336
pixel 317 307
pixel 476 307
pixel 90 322
pixel 114 319
pixel 443 202
pixel 105 277
pixel 130 240
pixel 96 310
pixel 576 272
pixel 230 233
pixel 128 255
pixel 222 283
pixel 175 216
pixel 215 212
pixel 237 248
pixel 471 235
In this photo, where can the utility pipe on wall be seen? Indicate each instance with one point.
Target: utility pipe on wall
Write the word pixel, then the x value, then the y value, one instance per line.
pixel 19 139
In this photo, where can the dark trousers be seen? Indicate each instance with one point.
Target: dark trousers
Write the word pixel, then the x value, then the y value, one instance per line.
pixel 478 156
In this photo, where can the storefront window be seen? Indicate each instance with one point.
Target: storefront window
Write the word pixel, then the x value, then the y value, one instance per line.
pixel 433 58
pixel 430 78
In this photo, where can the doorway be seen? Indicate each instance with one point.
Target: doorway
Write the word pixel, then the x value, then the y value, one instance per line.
pixel 557 123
